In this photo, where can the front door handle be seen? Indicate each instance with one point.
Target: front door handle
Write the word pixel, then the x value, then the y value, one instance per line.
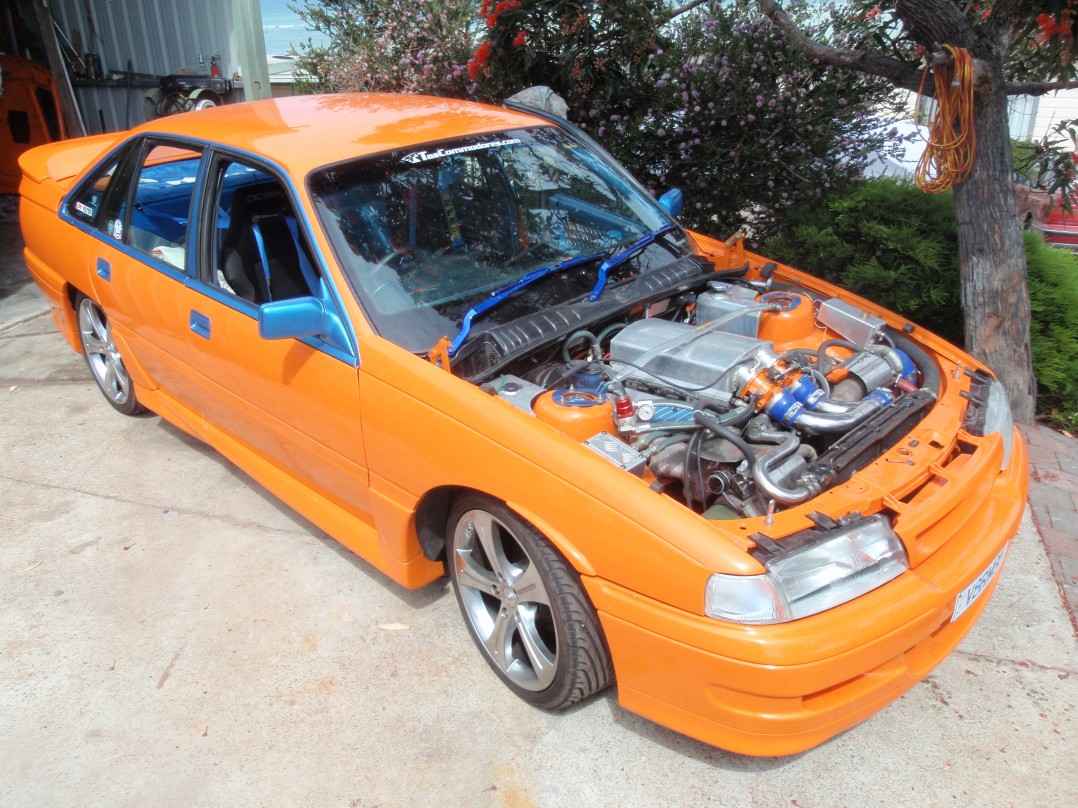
pixel 104 269
pixel 200 324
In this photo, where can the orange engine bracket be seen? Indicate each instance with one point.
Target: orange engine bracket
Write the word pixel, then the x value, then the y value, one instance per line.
pixel 439 354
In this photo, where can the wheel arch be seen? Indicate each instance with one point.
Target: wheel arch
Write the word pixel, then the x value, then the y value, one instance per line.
pixel 73 294
pixel 139 375
pixel 432 515
pixel 70 314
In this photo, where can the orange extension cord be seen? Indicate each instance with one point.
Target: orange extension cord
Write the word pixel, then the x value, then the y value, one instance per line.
pixel 952 143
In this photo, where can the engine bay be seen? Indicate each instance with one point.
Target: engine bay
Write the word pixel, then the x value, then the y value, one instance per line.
pixel 738 397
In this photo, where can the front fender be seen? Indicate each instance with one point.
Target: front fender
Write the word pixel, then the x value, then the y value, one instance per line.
pixel 427 429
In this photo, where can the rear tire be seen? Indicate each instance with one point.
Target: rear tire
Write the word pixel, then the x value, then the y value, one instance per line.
pixel 103 358
pixel 524 606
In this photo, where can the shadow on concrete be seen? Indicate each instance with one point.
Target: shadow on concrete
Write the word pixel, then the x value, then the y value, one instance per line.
pixel 690 748
pixel 13 272
pixel 417 599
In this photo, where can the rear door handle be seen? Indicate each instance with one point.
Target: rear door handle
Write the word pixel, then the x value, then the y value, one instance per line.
pixel 200 324
pixel 104 269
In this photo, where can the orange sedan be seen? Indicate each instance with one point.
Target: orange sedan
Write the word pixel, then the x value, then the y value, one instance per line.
pixel 462 340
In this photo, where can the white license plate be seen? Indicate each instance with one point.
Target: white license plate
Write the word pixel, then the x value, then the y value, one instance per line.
pixel 968 595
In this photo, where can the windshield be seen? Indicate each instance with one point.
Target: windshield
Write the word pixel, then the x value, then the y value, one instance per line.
pixel 426 233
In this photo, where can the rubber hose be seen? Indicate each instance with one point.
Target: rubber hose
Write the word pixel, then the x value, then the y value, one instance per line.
pixel 723 431
pixel 613 328
pixel 573 338
pixel 930 375
pixel 821 354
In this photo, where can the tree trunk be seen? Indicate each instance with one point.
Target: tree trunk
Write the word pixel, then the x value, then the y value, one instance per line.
pixel 995 298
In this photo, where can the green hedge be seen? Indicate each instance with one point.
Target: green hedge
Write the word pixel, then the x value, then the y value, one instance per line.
pixel 1053 300
pixel 887 241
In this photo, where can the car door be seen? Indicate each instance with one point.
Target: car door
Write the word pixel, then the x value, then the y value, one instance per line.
pixel 138 208
pixel 292 402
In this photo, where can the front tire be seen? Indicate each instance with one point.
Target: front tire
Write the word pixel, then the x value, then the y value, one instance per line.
pixel 103 358
pixel 524 606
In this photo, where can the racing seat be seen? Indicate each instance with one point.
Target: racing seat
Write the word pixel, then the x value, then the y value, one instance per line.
pixel 261 258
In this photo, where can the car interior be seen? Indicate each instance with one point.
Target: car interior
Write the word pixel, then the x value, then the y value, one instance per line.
pixel 261 257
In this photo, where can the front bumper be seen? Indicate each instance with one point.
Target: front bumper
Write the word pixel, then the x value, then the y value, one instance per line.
pixel 782 689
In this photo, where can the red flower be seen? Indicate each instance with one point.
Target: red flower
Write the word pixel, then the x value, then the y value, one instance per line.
pixel 1051 27
pixel 518 40
pixel 486 7
pixel 505 5
pixel 479 59
pixel 873 13
pixel 1048 25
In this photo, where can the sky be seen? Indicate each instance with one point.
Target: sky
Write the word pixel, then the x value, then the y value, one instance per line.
pixel 283 27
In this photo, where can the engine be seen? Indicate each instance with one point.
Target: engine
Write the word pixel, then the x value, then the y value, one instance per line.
pixel 744 402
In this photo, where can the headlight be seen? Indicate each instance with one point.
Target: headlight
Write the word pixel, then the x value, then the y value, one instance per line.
pixel 998 418
pixel 989 411
pixel 849 562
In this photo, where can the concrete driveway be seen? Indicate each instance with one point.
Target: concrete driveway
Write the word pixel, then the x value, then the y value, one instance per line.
pixel 170 635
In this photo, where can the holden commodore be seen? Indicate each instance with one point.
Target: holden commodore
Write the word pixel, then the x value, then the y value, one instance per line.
pixel 462 340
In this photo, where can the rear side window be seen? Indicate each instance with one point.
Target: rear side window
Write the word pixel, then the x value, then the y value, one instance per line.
pixel 161 210
pixel 87 204
pixel 142 198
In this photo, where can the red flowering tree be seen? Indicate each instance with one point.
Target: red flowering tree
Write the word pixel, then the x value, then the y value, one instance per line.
pixel 581 48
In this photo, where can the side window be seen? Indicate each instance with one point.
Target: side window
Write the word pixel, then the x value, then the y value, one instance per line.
pixel 162 203
pixel 158 185
pixel 259 253
pixel 88 203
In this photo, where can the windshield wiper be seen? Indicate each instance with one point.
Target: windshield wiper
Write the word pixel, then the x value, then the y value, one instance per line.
pixel 623 256
pixel 500 294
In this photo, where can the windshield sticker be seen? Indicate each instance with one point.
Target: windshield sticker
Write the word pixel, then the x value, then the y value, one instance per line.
pixel 424 156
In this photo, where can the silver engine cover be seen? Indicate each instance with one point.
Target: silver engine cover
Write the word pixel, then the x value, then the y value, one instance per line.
pixel 688 357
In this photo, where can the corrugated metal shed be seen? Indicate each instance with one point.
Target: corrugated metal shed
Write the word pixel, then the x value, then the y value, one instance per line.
pixel 152 37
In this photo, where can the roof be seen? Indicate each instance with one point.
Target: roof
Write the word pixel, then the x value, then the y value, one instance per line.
pixel 306 131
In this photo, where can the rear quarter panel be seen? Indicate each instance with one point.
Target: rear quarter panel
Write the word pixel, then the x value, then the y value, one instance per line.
pixel 56 251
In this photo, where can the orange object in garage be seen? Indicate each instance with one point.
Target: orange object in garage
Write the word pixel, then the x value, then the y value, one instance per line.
pixel 29 115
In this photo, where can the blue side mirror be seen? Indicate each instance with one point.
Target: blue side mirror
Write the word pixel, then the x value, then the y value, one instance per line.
pixel 292 318
pixel 671 202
